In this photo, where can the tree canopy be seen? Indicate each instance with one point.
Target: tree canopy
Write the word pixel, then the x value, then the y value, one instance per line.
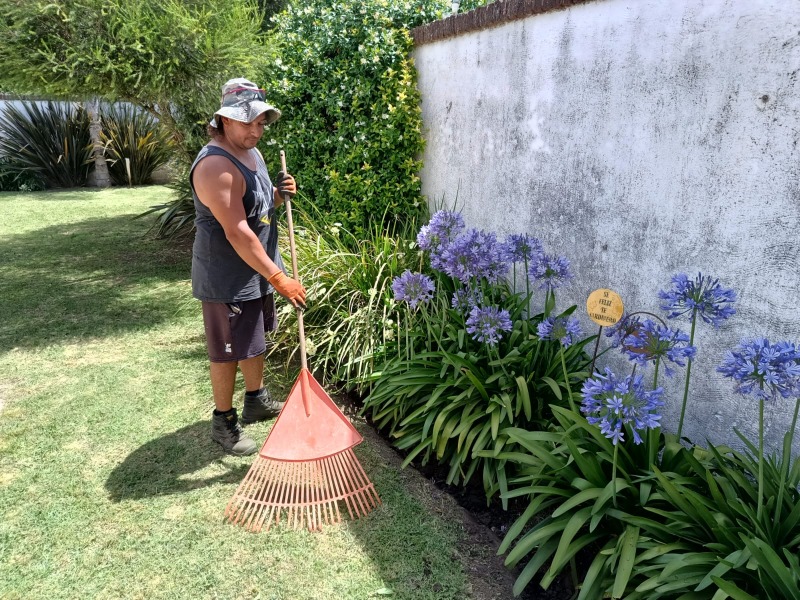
pixel 168 56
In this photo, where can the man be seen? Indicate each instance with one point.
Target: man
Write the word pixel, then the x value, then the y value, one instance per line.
pixel 235 260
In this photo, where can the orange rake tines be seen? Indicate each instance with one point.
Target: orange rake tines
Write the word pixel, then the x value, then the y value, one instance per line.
pixel 306 467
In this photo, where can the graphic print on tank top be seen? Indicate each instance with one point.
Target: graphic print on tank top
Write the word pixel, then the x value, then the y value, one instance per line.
pixel 261 206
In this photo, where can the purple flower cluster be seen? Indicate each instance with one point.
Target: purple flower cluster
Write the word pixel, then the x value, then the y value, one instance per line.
pixel 522 248
pixel 550 271
pixel 764 370
pixel 702 295
pixel 613 403
pixel 566 330
pixel 622 329
pixel 487 324
pixel 651 341
pixel 464 299
pixel 442 229
pixel 472 255
pixel 414 288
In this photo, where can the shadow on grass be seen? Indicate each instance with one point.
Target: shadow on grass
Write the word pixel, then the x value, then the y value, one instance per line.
pixel 164 466
pixel 96 277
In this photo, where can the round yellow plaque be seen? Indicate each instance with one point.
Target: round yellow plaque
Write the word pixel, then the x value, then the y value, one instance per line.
pixel 605 307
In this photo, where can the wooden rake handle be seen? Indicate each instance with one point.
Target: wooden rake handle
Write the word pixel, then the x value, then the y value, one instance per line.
pixel 287 201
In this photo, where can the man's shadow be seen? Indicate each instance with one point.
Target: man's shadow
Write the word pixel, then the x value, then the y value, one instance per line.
pixel 164 466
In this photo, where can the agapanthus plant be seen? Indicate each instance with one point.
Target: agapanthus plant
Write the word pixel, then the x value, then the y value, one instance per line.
pixel 522 248
pixel 550 271
pixel 563 329
pixel 652 342
pixel 627 326
pixel 466 298
pixel 413 288
pixel 471 256
pixel 566 330
pixel 478 355
pixel 768 372
pixel 442 229
pixel 703 296
pixel 614 404
pixel 487 324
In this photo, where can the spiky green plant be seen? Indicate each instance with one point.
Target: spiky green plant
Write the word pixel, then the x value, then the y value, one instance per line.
pixel 49 140
pixel 349 283
pixel 132 134
pixel 14 181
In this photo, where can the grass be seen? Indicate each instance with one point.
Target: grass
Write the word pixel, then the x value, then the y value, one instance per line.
pixel 109 484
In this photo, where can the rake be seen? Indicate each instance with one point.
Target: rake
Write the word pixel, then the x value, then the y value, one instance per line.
pixel 306 468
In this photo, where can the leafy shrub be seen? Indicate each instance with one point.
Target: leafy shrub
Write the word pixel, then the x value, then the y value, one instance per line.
pixel 588 493
pixel 49 140
pixel 658 520
pixel 128 132
pixel 467 5
pixel 737 520
pixel 470 361
pixel 167 56
pixel 714 539
pixel 351 121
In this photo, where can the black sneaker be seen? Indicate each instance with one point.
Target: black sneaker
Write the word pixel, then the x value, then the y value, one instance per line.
pixel 226 431
pixel 260 408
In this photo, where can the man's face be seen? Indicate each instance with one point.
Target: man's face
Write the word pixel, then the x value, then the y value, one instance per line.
pixel 245 135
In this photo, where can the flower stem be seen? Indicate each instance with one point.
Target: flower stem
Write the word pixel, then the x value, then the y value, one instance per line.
pixel 424 311
pixel 787 459
pixel 409 349
pixel 566 380
pixel 614 477
pixel 760 459
pixel 688 374
pixel 653 434
pixel 549 302
pixel 527 290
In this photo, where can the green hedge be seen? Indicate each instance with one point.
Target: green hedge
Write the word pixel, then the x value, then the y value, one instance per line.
pixel 351 123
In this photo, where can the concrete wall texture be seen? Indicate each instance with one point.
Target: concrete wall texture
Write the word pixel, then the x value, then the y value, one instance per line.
pixel 639 138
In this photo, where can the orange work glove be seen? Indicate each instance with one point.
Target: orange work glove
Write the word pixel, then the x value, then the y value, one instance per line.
pixel 289 288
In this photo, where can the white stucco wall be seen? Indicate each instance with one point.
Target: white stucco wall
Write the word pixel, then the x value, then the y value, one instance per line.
pixel 639 138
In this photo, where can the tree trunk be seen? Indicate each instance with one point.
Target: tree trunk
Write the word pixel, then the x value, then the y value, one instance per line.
pixel 100 176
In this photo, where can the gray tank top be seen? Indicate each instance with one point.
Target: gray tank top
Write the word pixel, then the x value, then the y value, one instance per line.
pixel 218 273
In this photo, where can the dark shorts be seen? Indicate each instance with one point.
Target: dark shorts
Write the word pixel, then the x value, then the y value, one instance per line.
pixel 235 331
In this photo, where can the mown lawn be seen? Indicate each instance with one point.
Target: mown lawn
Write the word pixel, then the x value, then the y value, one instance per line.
pixel 109 484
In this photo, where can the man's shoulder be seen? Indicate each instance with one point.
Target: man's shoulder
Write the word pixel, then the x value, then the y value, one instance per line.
pixel 209 163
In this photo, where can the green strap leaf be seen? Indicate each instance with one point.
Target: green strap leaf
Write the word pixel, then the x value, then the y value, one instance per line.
pixel 553 386
pixel 773 567
pixel 539 559
pixel 593 580
pixel 627 556
pixel 732 590
pixel 577 499
pixel 523 394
